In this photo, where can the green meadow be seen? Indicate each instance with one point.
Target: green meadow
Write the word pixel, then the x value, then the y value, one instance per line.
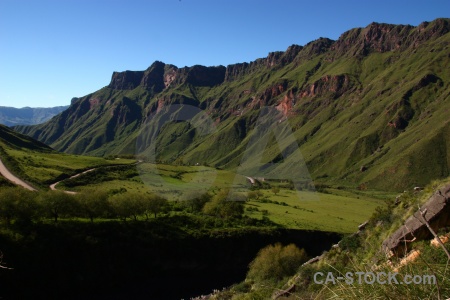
pixel 338 209
pixel 313 210
pixel 332 210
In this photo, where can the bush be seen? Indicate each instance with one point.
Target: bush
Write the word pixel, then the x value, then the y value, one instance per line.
pixel 276 262
pixel 350 242
pixel 225 206
pixel 196 200
pixel 254 195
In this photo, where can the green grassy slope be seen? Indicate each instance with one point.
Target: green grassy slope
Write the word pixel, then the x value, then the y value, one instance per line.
pixel 40 165
pixel 363 252
pixel 377 99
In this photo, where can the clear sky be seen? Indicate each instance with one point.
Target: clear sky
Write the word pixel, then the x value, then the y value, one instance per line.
pixel 53 50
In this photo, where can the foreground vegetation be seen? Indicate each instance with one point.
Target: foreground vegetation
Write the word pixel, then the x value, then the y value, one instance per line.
pixel 25 207
pixel 98 245
pixel 357 253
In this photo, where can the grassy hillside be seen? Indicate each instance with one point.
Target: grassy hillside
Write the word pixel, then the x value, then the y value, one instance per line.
pixel 307 210
pixel 360 252
pixel 40 165
pixel 332 210
pixel 369 109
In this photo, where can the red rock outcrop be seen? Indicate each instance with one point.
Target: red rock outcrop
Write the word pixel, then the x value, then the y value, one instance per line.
pixel 380 37
pixel 336 84
pixel 286 105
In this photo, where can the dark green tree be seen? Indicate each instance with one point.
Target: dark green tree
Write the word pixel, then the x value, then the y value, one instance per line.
pixel 93 204
pixel 7 204
pixel 127 205
pixel 195 201
pixel 254 195
pixel 56 204
pixel 275 190
pixel 225 205
pixel 18 204
pixel 155 204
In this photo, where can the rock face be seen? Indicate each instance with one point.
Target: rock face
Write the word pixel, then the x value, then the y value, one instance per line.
pixel 380 37
pixel 201 76
pixel 438 216
pixel 336 85
pixel 154 77
pixel 127 80
pixel 160 76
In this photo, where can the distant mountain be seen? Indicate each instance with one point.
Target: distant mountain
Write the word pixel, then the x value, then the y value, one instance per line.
pixel 369 109
pixel 11 116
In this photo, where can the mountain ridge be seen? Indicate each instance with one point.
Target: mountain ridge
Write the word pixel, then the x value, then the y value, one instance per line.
pixel 352 105
pixel 11 116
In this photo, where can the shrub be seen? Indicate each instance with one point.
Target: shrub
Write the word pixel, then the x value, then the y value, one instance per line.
pixel 350 242
pixel 225 206
pixel 276 262
pixel 196 200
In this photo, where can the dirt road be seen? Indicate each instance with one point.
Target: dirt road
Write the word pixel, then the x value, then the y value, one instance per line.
pixel 8 175
pixel 53 186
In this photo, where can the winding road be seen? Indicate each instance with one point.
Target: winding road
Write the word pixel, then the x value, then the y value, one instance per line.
pixel 17 181
pixel 11 177
pixel 53 186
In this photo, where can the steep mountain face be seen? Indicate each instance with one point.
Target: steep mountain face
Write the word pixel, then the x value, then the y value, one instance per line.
pixel 11 116
pixel 370 109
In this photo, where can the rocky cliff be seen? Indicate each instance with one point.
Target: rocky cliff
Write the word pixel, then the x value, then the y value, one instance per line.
pixel 160 76
pixel 437 214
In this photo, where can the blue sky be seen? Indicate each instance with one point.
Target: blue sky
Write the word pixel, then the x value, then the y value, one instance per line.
pixel 53 50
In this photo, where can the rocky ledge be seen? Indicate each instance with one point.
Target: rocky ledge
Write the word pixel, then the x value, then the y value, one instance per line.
pixel 414 229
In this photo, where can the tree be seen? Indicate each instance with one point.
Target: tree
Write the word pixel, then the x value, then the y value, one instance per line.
pixel 127 205
pixel 275 190
pixel 195 200
pixel 58 204
pixel 155 204
pixel 18 204
pixel 93 204
pixel 275 262
pixel 225 205
pixel 7 204
pixel 27 207
pixel 254 195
